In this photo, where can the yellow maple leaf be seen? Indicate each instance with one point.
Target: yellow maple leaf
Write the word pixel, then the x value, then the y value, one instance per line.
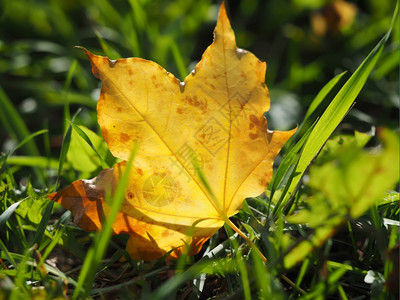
pixel 213 121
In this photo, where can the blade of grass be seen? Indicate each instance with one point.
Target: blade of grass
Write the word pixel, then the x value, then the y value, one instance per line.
pixel 27 139
pixel 177 55
pixel 84 136
pixel 322 94
pixel 96 252
pixel 67 84
pixel 140 25
pixel 21 273
pixel 313 106
pixel 14 123
pixel 9 211
pixel 49 208
pixel 54 242
pixel 16 127
pixel 261 274
pixel 342 293
pixel 7 254
pixel 65 147
pixel 303 270
pixel 335 112
pixel 288 163
pixel 241 266
pixel 325 287
pixel 37 161
pixel 109 51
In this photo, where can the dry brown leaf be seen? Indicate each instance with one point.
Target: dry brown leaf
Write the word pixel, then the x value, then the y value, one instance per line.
pixel 213 121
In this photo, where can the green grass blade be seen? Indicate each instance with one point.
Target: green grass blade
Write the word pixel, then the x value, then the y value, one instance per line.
pixel 70 75
pixel 109 51
pixel 285 172
pixel 335 112
pixel 324 288
pixel 84 136
pixel 27 139
pixel 240 265
pixel 43 224
pixel 14 123
pixel 289 160
pixel 261 274
pixel 16 127
pixel 64 148
pixel 314 105
pixel 49 208
pixel 49 248
pixel 304 267
pixel 9 211
pixel 97 250
pixel 322 94
pixel 244 275
pixel 20 276
pixel 7 254
pixel 65 93
pixel 33 161
pixel 179 61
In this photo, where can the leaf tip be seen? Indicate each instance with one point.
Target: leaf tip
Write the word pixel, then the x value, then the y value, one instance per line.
pixel 51 196
pixel 83 49
pixel 222 15
pixel 86 51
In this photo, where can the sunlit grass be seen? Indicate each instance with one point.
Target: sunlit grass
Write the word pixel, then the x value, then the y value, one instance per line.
pixel 352 260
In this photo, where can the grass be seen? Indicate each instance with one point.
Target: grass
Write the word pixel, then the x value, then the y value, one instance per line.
pixel 328 222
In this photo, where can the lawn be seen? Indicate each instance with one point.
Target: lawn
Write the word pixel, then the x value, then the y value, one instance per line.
pixel 326 227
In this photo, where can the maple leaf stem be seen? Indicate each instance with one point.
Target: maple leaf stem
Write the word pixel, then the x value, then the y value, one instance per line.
pixel 251 244
pixel 263 258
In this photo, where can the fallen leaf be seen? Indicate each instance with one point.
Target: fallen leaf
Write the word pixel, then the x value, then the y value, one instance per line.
pixel 203 146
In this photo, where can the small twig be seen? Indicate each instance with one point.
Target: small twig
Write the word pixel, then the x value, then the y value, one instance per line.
pixel 293 285
pixel 2 263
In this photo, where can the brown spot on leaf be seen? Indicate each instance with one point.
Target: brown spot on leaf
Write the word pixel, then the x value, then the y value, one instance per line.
pixel 123 137
pixel 263 181
pixel 253 136
pixel 196 102
pixel 155 81
pixel 254 119
pixel 140 171
pixel 179 110
pixel 131 195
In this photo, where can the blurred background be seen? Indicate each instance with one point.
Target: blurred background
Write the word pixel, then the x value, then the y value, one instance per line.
pixel 44 79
